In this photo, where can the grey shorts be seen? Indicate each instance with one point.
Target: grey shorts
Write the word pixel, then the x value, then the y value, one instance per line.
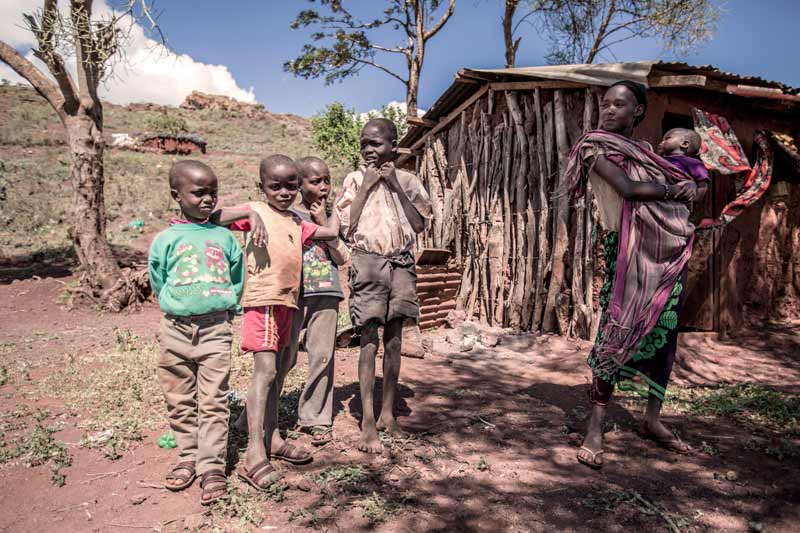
pixel 382 288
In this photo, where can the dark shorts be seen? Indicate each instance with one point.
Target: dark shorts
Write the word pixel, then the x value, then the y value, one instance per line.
pixel 382 288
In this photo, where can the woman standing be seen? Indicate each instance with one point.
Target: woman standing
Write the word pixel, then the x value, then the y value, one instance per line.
pixel 642 201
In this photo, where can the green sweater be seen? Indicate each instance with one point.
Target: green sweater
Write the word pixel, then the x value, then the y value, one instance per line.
pixel 196 269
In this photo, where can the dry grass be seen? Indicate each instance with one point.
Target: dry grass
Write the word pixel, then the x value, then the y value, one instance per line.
pixel 34 168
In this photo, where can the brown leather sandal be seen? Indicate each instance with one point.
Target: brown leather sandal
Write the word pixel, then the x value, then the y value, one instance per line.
pixel 215 484
pixel 292 454
pixel 261 477
pixel 186 480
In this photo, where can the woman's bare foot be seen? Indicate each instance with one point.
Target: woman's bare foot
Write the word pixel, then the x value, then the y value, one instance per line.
pixel 369 441
pixel 658 432
pixel 591 451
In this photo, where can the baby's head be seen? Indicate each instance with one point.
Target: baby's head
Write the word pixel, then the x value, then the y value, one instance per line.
pixel 315 180
pixel 680 141
pixel 378 141
pixel 279 181
pixel 194 186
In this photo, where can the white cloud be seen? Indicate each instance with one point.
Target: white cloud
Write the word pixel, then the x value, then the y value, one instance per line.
pixel 394 103
pixel 151 73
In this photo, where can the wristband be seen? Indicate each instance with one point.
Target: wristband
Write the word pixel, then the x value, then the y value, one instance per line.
pixel 666 192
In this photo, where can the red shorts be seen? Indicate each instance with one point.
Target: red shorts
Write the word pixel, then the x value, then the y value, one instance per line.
pixel 267 328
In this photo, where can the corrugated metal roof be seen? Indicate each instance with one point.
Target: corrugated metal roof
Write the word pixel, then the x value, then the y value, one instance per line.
pixel 602 74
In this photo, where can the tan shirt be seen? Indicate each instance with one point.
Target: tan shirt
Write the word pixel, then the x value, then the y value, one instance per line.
pixel 383 227
pixel 609 202
pixel 273 272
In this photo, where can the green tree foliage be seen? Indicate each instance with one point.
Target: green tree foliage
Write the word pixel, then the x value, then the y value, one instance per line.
pixel 165 123
pixel 344 44
pixel 335 133
pixel 580 31
pixel 337 130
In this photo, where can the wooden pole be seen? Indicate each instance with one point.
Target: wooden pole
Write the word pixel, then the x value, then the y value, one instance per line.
pixel 560 218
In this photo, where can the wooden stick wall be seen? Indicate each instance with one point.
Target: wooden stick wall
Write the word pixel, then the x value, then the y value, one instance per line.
pixel 495 176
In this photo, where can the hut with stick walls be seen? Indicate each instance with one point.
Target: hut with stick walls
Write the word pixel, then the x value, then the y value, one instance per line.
pixel 492 152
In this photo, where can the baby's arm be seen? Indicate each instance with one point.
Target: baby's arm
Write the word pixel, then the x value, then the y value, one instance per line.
pixel 635 190
pixel 702 187
pixel 241 218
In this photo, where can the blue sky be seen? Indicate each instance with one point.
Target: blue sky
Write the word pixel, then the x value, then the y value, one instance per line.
pixel 252 39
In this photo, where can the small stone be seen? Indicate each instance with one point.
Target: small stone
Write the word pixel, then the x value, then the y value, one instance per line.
pixel 731 475
pixel 303 485
pixel 453 337
pixel 137 499
pixel 193 522
pixel 470 328
pixel 454 318
pixel 489 340
pixel 467 343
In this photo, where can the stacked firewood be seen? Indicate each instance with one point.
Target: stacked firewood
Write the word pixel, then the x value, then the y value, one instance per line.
pixel 525 243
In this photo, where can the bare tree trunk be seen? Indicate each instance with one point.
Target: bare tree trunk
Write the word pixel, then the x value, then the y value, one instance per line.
pixel 412 86
pixel 89 231
pixel 508 33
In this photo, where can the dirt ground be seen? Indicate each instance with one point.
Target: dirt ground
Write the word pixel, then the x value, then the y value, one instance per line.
pixel 492 442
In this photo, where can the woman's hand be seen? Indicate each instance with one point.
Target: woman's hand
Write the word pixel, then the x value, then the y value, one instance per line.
pixel 685 191
pixel 258 233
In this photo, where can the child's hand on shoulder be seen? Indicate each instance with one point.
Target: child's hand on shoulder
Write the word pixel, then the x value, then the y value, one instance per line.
pixel 318 213
pixel 389 175
pixel 258 233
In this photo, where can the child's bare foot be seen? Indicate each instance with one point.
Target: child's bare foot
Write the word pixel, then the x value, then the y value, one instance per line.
pixel 369 442
pixel 389 424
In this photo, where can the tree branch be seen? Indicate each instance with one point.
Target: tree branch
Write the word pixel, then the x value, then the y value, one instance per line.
pixel 433 31
pixel 34 76
pixel 380 67
pixel 601 32
pixel 390 50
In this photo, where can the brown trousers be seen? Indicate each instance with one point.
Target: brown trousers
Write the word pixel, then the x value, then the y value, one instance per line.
pixel 319 316
pixel 193 370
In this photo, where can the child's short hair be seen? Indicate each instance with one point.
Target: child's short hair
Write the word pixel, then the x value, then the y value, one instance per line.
pixel 386 126
pixel 694 140
pixel 269 163
pixel 179 170
pixel 304 164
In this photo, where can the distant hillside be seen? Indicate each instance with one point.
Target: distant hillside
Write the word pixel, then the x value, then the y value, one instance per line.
pixel 34 168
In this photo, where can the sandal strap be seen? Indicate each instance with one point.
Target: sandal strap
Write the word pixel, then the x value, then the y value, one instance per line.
pixel 212 477
pixel 186 465
pixel 260 471
pixel 290 450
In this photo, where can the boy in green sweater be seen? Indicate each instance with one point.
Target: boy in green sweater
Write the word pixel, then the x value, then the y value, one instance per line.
pixel 197 272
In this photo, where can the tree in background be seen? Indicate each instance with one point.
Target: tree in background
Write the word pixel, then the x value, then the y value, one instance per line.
pixel 579 30
pixel 95 44
pixel 336 132
pixel 349 47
